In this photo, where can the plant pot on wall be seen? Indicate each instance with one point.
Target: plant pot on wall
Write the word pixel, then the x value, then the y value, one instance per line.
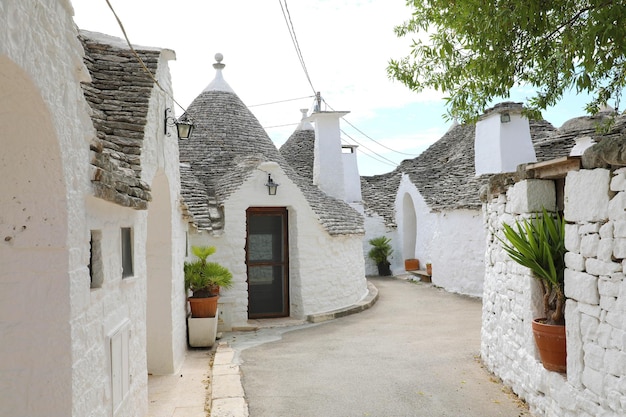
pixel 203 307
pixel 551 343
pixel 411 264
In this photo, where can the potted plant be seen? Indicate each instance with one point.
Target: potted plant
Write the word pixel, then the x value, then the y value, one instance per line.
pixel 539 244
pixel 379 253
pixel 204 279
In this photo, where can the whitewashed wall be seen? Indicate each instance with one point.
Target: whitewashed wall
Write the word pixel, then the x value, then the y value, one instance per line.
pixel 595 383
pixel 453 241
pixel 54 355
pixel 326 272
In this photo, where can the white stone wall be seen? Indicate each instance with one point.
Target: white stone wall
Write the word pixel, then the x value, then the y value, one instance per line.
pixel 595 384
pixel 453 241
pixel 54 355
pixel 326 272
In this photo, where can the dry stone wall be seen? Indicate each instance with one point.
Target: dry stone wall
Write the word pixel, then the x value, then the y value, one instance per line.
pixel 595 383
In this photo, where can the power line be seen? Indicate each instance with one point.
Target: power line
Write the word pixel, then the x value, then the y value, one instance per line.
pixel 383 159
pixel 280 101
pixel 368 137
pixel 294 39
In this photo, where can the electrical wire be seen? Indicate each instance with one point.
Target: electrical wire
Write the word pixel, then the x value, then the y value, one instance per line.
pixel 294 39
pixel 382 158
pixel 143 65
pixel 280 101
pixel 368 137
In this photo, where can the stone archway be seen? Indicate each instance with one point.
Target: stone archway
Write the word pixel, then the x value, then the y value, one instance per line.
pixel 36 359
pixel 409 227
pixel 159 251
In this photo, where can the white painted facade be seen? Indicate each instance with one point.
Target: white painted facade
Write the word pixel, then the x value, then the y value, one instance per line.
pixel 351 178
pixel 328 168
pixel 325 272
pixel 453 241
pixel 502 141
pixel 59 336
pixel 595 285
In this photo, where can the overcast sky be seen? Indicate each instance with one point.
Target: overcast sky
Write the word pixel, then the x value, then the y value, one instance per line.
pixel 346 45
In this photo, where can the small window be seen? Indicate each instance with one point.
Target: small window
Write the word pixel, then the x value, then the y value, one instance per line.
pixel 96 272
pixel 127 252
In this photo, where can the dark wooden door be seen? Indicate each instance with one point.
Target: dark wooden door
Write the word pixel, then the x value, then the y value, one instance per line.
pixel 267 261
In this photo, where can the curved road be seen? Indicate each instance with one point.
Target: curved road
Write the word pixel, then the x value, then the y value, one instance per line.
pixel 414 353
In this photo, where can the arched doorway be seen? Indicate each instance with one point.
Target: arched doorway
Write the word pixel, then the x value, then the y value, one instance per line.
pixel 159 311
pixel 409 227
pixel 36 359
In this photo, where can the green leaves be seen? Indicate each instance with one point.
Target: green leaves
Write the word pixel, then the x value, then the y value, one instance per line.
pixel 476 51
pixel 381 249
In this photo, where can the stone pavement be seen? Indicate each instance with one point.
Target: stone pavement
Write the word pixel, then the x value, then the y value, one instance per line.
pixel 414 353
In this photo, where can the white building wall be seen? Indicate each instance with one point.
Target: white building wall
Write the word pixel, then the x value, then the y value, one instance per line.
pixel 351 178
pixel 55 358
pixel 326 272
pixel 328 171
pixel 595 383
pixel 452 241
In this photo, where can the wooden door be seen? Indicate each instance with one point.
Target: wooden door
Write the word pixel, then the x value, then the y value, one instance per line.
pixel 267 262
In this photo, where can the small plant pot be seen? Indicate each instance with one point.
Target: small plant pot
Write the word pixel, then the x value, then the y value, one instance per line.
pixel 552 346
pixel 429 268
pixel 384 269
pixel 411 264
pixel 203 307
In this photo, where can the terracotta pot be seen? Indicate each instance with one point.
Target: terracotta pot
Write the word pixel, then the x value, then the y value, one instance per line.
pixel 551 343
pixel 203 307
pixel 411 264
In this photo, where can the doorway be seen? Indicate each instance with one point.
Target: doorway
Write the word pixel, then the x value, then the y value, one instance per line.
pixel 267 261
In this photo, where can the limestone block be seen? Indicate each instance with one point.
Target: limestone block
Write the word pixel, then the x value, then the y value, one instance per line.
pixel 572 238
pixel 619 248
pixel 609 287
pixel 574 261
pixel 593 380
pixel 589 245
pixel 531 196
pixel 618 182
pixel 598 267
pixel 574 343
pixel 603 335
pixel 619 228
pixel 590 310
pixel 581 286
pixel 589 228
pixel 617 207
pixel 606 230
pixel 586 195
pixel 616 319
pixel 594 356
pixel 615 362
pixel 605 249
pixel 607 303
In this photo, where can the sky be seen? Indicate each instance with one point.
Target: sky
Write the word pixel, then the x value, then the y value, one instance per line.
pixel 345 45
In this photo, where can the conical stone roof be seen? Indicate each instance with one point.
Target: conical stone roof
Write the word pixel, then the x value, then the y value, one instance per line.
pixel 227 144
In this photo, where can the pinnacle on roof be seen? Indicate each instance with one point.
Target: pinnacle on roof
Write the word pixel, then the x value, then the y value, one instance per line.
pixel 218 83
pixel 304 124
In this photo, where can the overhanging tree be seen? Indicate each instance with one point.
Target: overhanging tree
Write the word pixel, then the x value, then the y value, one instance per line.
pixel 476 51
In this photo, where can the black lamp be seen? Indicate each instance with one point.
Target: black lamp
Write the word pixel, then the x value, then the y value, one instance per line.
pixel 183 127
pixel 271 185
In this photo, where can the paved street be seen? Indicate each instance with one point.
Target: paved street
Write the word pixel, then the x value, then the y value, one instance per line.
pixel 414 353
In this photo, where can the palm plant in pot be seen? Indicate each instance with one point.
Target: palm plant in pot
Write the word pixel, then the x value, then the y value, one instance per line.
pixel 379 253
pixel 204 279
pixel 539 244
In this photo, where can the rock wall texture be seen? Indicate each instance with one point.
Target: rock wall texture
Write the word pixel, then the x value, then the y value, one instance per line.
pixel 595 214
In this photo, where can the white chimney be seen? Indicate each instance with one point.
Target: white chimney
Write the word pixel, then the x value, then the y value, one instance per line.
pixel 328 166
pixel 502 140
pixel 351 177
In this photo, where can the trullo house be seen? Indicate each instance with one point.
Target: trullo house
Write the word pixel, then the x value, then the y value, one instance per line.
pixel 293 250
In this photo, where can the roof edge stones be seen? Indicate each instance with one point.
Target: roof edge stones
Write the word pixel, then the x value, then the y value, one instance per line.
pixel 505 107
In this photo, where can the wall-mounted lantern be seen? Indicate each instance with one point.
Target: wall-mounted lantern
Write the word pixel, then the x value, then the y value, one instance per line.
pixel 183 127
pixel 271 185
